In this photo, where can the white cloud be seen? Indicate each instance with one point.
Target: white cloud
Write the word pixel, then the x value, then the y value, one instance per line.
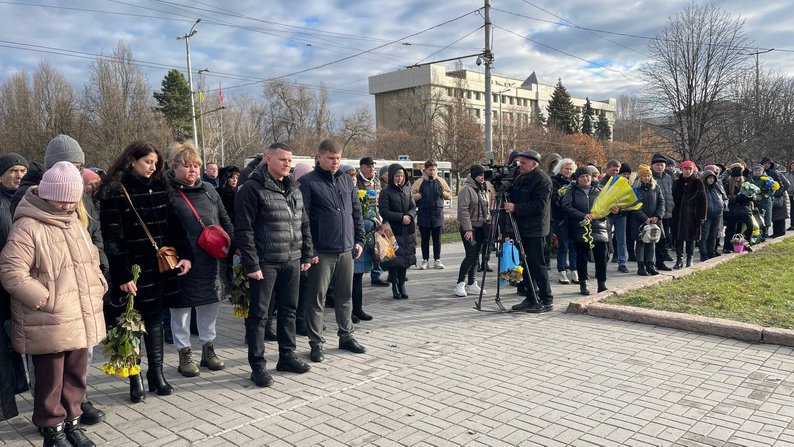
pixel 265 47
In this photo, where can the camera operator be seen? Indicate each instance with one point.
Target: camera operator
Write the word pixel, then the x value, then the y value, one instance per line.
pixel 529 195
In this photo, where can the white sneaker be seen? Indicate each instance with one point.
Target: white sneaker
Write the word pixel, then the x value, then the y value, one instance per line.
pixel 438 264
pixel 564 277
pixel 474 289
pixel 574 277
pixel 423 265
pixel 460 289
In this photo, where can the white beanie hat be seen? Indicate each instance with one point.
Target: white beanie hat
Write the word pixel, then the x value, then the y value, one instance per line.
pixel 62 183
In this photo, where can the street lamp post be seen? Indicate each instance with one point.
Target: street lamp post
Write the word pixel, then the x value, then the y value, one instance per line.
pixel 201 119
pixel 186 38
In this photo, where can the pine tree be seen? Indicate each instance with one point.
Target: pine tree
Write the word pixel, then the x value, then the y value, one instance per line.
pixel 588 116
pixel 603 131
pixel 174 102
pixel 561 110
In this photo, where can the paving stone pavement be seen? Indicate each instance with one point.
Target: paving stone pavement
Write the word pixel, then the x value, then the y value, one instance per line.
pixel 439 373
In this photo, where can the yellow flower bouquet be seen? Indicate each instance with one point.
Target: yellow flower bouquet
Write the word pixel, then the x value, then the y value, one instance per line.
pixel 122 345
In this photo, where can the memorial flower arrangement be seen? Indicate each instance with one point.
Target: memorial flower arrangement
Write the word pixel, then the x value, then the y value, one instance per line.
pixel 122 345
pixel 513 276
pixel 768 186
pixel 366 197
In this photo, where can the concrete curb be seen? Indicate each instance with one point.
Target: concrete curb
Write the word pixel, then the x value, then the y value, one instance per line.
pixel 752 333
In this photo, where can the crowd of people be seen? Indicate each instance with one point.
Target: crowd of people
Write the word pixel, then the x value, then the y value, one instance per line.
pixel 304 237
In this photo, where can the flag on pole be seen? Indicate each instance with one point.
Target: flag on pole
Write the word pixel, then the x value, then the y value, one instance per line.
pixel 220 92
pixel 201 96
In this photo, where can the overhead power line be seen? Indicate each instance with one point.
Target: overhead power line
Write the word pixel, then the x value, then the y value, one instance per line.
pixel 563 52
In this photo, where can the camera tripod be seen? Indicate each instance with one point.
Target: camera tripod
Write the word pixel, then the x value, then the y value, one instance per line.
pixel 496 238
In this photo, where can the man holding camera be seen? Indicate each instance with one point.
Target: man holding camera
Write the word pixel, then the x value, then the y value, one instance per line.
pixel 529 204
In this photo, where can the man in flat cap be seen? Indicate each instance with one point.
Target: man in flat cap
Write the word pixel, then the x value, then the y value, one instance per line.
pixel 529 203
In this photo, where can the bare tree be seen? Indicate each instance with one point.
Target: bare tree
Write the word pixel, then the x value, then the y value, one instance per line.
pixel 420 113
pixel 117 108
pixel 34 110
pixel 694 61
pixel 355 131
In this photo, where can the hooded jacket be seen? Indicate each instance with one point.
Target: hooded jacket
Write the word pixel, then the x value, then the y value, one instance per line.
pixel 33 178
pixel 715 196
pixel 394 203
pixel 429 195
pixel 51 270
pixel 473 205
pixel 653 204
pixel 270 223
pixel 665 182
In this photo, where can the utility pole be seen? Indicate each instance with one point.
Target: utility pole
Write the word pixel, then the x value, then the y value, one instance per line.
pixel 203 147
pixel 186 38
pixel 487 58
pixel 756 107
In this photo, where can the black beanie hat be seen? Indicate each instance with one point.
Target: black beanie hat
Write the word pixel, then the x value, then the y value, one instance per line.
pixel 658 158
pixel 736 171
pixel 476 171
pixel 624 168
pixel 11 159
pixel 581 170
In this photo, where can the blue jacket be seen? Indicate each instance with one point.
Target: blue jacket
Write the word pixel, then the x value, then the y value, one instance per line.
pixel 331 201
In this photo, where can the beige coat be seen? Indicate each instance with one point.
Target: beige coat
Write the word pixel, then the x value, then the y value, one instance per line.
pixel 51 270
pixel 473 205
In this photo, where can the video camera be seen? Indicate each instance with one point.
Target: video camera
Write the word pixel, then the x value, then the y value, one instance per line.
pixel 500 175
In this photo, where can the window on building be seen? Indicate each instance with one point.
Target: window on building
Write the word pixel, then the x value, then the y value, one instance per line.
pixel 495 98
pixel 511 100
pixel 477 96
pixel 468 94
pixel 477 113
pixel 450 91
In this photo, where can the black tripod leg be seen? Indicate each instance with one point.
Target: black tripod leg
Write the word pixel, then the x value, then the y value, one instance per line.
pixel 523 254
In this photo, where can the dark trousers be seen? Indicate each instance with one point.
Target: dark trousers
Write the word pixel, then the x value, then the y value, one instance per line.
pixel 473 249
pixel 397 275
pixel 599 255
pixel 59 386
pixel 679 248
pixel 791 210
pixel 300 313
pixel 733 225
pixel 427 233
pixel 282 278
pixel 644 252
pixel 710 232
pixel 664 242
pixel 334 269
pixel 536 266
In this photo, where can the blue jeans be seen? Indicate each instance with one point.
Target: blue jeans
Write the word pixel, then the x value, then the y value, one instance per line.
pixel 619 229
pixel 565 252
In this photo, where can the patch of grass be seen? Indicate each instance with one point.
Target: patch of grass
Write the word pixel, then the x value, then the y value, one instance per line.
pixel 755 288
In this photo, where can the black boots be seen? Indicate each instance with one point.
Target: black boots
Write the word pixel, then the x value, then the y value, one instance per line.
pixel 679 262
pixel 602 286
pixel 651 269
pixel 583 287
pixel 54 436
pixel 689 260
pixel 403 292
pixel 395 291
pixel 641 269
pixel 154 354
pixel 137 393
pixel 358 307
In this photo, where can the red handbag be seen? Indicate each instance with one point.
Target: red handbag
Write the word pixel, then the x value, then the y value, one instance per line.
pixel 213 239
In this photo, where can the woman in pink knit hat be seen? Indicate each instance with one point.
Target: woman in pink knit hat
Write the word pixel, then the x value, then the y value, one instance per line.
pixel 51 270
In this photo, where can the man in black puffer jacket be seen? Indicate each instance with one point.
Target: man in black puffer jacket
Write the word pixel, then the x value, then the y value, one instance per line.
pixel 271 230
pixel 529 203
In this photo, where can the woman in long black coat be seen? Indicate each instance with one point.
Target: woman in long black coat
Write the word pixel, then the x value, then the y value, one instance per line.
pixel 202 287
pixel 689 195
pixel 139 171
pixel 398 209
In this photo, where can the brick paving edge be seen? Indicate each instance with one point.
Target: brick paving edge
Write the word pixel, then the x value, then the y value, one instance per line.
pixel 753 333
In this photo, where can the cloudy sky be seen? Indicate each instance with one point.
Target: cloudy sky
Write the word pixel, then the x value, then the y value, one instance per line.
pixel 341 42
